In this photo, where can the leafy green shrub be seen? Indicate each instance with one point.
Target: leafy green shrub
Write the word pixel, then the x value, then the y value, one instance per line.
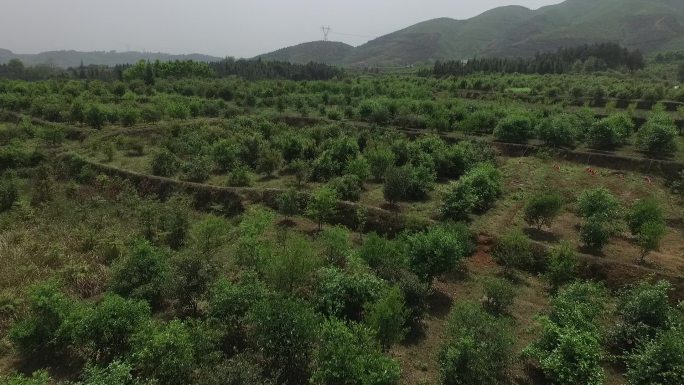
pixel 40 377
pixel 569 348
pixel 197 170
pixel 515 128
pixel 479 122
pixel 498 295
pixel 644 311
pixel 239 177
pixel 225 154
pixel 542 208
pixel 129 115
pixel 141 274
pixel 335 244
pixel 358 167
pixel 658 136
pixel 561 267
pixel 659 361
pixel 477 347
pixel 323 205
pixel 95 116
pixel 164 163
pixel 475 192
pixel 192 274
pixel 270 160
pixel 643 211
pixel 387 317
pixel 165 353
pixel 345 295
pixel 288 203
pixel 116 372
pixel 559 131
pixel 603 135
pixel 106 329
pixel 291 267
pixel 380 160
pixel 598 202
pixel 349 355
pixel 347 187
pixel 437 250
pixel 514 250
pixel 284 330
pixel 595 232
pixel 41 333
pixel 649 237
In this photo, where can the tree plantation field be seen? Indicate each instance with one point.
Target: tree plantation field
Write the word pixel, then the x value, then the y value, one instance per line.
pixel 260 223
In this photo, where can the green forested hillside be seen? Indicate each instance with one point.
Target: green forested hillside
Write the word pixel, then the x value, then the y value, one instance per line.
pixel 649 25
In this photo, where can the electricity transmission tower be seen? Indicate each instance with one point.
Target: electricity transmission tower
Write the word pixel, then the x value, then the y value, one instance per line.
pixel 326 32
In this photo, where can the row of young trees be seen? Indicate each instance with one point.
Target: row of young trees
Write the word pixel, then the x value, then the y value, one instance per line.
pixel 586 58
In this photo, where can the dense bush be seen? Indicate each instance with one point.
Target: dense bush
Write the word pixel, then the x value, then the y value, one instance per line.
pixel 477 347
pixel 561 267
pixel 569 348
pixel 164 163
pixel 284 331
pixel 438 250
pixel 498 295
pixel 323 205
pixel 644 211
pixel 349 355
pixel 515 128
pixel 658 135
pixel 659 361
pixel 475 192
pixel 596 232
pixel 559 131
pixel 165 352
pixel 142 273
pixel 347 187
pixel 542 208
pixel 514 250
pixel 9 193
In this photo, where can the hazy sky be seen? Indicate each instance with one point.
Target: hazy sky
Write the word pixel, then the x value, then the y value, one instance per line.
pixel 240 28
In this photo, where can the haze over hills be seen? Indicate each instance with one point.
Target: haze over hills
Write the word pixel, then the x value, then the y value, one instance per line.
pixel 649 25
pixel 66 59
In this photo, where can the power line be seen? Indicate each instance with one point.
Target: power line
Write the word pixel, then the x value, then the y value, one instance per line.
pixel 352 34
pixel 326 32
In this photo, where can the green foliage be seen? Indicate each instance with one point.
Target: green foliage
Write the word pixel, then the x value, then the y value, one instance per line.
pixel 239 177
pixel 609 133
pixel 562 265
pixel 514 128
pixel 164 163
pixel 498 295
pixel 344 295
pixel 175 221
pixel 559 131
pixel 269 161
pixel 542 208
pixel 191 276
pixel 380 160
pixel 658 135
pixel 117 372
pixel 40 377
pixel 165 352
pixel 659 361
pixel 644 311
pixel 141 274
pixel 95 116
pixel 595 232
pixel 477 347
pixel 209 235
pixel 514 250
pixel 649 237
pixel 336 244
pixel 475 192
pixel 408 183
pixel 41 334
pixel 347 187
pixel 643 211
pixel 387 317
pixel 360 168
pixel 438 250
pixel 284 331
pixel 569 348
pixel 323 205
pixel 288 203
pixel 380 252
pixel 105 330
pixel 197 169
pixel 225 154
pixel 599 203
pixel 291 266
pixel 349 355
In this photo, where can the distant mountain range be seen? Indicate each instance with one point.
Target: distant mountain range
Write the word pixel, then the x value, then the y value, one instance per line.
pixel 66 59
pixel 649 25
